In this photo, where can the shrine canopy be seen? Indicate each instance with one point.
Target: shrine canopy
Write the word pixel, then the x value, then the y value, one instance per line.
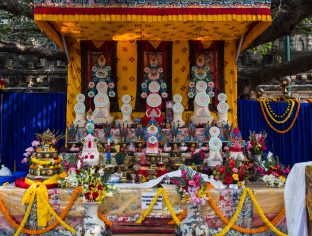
pixel 231 23
pixel 123 20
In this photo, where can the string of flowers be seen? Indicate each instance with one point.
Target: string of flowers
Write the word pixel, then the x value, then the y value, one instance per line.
pixel 49 162
pixel 27 213
pixel 63 215
pixel 238 228
pixel 235 216
pixel 262 215
pixel 170 208
pixel 269 111
pixel 180 216
pixel 149 209
pixel 105 220
pixel 277 130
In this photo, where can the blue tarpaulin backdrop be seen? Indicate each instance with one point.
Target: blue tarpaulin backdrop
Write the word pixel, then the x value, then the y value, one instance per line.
pixel 291 147
pixel 24 115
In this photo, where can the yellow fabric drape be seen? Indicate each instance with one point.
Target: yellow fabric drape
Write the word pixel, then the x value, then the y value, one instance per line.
pixel 74 80
pixel 230 79
pixel 180 70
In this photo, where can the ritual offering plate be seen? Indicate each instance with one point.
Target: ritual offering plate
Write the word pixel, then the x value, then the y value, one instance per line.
pixel 126 109
pixel 126 99
pixel 153 100
pixel 202 99
pixel 223 107
pixel 201 86
pixel 154 87
pixel 177 98
pixel 101 100
pixel 177 108
pixel 101 87
pixel 222 97
pixel 215 143
pixel 214 131
pixel 80 98
pixel 80 108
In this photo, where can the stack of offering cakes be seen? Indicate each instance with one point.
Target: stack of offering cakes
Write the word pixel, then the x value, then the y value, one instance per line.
pixel 45 160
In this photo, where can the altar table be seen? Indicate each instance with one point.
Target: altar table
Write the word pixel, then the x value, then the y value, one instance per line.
pixel 125 208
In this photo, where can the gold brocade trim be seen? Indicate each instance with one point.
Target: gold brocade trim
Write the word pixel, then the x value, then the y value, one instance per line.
pixel 308 173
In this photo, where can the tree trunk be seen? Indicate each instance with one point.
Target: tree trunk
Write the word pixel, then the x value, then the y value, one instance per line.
pixel 13 47
pixel 267 73
pixel 286 15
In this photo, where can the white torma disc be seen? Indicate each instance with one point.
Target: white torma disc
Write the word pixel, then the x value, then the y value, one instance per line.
pixel 177 98
pixel 101 100
pixel 202 99
pixel 222 97
pixel 222 107
pixel 214 131
pixel 154 87
pixel 80 108
pixel 154 100
pixel 178 108
pixel 201 86
pixel 126 109
pixel 80 98
pixel 126 99
pixel 215 144
pixel 101 87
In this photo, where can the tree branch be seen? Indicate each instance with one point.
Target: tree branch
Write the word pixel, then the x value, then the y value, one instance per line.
pixel 286 14
pixel 17 8
pixel 267 73
pixel 42 52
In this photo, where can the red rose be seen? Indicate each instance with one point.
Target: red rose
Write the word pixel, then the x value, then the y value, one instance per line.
pixel 228 179
pixel 87 196
pixel 95 195
pixel 100 187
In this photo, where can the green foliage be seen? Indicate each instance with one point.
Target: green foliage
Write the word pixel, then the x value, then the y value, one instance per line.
pixel 263 49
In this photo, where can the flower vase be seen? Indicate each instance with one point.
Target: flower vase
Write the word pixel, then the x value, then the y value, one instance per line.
pixel 91 225
pixel 258 157
pixel 193 223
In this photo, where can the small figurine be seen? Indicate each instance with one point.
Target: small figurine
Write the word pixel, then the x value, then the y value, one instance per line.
pixel 236 145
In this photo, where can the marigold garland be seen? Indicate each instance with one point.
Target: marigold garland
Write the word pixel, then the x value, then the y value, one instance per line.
pixel 63 215
pixel 170 208
pixel 148 210
pixel 49 162
pixel 290 126
pixel 105 220
pixel 262 215
pixel 269 111
pixel 235 216
pixel 180 216
pixel 226 221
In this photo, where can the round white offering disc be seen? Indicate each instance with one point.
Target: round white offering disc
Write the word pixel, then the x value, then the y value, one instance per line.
pixel 202 99
pixel 126 99
pixel 201 86
pixel 215 143
pixel 80 108
pixel 154 100
pixel 214 131
pixel 126 109
pixel 222 97
pixel 222 107
pixel 101 100
pixel 154 87
pixel 177 98
pixel 101 87
pixel 80 98
pixel 177 108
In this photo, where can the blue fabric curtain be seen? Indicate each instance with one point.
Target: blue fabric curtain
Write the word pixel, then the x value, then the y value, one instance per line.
pixel 24 115
pixel 291 147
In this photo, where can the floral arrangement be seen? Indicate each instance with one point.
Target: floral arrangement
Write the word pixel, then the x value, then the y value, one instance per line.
pixel 272 171
pixel 191 186
pixel 234 172
pixel 93 182
pixel 44 142
pixel 256 142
